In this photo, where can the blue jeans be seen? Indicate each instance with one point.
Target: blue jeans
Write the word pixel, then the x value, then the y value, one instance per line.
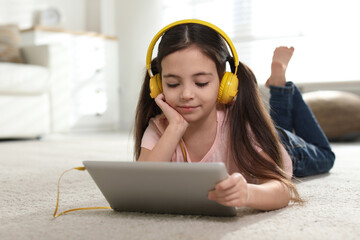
pixel 300 132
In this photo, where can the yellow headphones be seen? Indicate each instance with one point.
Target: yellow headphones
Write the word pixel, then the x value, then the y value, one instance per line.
pixel 229 83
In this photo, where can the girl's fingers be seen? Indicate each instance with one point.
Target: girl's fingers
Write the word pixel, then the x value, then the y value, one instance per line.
pixel 165 108
pixel 170 113
pixel 228 198
pixel 220 196
pixel 230 182
pixel 227 186
pixel 223 193
pixel 160 100
pixel 230 192
pixel 238 189
pixel 236 199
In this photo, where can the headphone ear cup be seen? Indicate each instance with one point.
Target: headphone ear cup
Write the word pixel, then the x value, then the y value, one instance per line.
pixel 155 86
pixel 228 88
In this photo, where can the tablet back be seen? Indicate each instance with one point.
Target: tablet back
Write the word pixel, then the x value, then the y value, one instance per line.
pixel 174 188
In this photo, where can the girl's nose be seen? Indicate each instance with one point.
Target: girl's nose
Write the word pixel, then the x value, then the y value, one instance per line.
pixel 187 93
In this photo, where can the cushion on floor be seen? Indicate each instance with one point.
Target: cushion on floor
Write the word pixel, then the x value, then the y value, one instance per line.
pixel 337 112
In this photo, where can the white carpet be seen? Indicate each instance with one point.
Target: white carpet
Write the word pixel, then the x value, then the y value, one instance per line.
pixel 29 171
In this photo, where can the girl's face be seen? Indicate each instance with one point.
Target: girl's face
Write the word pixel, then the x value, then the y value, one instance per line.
pixel 190 83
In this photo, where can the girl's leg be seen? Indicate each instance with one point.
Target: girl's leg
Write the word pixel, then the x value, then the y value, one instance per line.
pixel 281 101
pixel 294 115
pixel 302 135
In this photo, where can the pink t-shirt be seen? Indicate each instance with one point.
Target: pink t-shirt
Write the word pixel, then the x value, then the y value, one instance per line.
pixel 219 151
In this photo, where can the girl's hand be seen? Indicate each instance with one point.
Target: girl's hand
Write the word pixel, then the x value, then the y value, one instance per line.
pixel 172 116
pixel 232 191
pixel 169 140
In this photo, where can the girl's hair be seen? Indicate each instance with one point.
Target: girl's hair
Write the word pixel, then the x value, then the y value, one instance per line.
pixel 248 111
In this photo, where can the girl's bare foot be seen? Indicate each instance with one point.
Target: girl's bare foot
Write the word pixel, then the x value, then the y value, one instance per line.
pixel 281 58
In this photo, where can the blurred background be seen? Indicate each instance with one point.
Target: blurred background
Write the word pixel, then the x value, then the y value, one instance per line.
pixel 106 42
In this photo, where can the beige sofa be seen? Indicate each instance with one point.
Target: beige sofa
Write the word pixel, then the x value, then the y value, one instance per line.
pixel 35 96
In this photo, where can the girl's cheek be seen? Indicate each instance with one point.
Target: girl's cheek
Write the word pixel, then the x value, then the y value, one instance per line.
pixel 171 104
pixel 168 100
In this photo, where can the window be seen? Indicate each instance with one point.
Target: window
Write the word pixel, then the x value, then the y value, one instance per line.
pixel 325 33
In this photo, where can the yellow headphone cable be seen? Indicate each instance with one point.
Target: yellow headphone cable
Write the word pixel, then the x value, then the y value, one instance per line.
pixel 58 194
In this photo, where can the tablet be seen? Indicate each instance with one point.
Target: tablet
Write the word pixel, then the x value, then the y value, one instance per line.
pixel 158 187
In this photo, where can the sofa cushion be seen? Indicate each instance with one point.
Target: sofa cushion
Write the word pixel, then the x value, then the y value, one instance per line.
pixel 24 116
pixel 337 112
pixel 18 78
pixel 9 44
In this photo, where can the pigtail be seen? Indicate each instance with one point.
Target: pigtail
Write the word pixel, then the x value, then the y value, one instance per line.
pixel 248 117
pixel 145 110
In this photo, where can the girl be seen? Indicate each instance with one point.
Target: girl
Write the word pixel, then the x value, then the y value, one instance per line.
pixel 186 122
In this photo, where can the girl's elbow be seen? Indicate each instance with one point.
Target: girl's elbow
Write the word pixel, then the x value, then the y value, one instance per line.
pixel 279 203
pixel 286 200
pixel 286 197
pixel 283 197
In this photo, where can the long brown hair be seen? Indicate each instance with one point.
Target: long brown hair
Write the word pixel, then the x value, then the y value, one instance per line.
pixel 248 111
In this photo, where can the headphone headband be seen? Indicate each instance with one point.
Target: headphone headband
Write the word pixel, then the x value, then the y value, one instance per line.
pixel 162 31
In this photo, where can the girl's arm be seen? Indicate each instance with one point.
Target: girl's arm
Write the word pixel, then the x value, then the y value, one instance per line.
pixel 165 147
pixel 269 195
pixel 235 191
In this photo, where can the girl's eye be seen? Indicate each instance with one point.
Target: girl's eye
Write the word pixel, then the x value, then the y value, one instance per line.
pixel 172 85
pixel 202 84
